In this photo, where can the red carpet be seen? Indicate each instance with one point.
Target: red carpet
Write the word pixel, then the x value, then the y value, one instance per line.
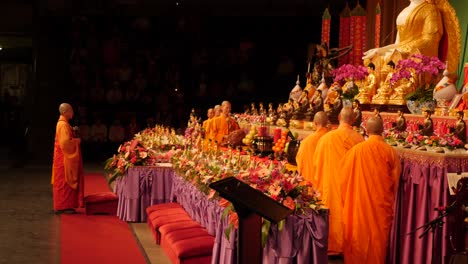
pixel 97 238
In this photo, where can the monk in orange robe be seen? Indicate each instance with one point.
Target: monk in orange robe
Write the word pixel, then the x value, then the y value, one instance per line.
pixel 331 148
pixel 67 169
pixel 207 127
pixel 372 171
pixel 224 124
pixel 305 154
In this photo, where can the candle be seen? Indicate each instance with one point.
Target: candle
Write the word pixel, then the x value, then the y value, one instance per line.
pixel 277 134
pixel 262 131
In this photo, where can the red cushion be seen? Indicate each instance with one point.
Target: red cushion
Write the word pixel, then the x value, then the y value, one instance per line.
pixel 101 203
pixel 100 197
pixel 205 259
pixel 166 219
pixel 187 233
pixel 156 207
pixel 171 227
pixel 196 246
pixel 171 211
pixel 166 228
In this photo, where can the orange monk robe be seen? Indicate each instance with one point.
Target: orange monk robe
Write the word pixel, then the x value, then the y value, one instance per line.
pixel 67 168
pixel 222 126
pixel 330 149
pixel 305 154
pixel 372 171
pixel 206 127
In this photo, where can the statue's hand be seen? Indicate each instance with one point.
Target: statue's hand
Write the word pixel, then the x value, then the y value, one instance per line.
pixel 371 54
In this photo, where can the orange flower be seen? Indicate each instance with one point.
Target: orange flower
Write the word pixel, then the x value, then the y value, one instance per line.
pixel 223 202
pixel 289 202
pixel 234 219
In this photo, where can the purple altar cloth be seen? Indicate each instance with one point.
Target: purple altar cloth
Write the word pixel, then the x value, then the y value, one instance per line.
pixel 423 187
pixel 143 187
pixel 304 238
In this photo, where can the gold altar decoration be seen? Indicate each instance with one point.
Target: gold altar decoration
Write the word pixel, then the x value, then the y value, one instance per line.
pixel 452 31
pixel 411 43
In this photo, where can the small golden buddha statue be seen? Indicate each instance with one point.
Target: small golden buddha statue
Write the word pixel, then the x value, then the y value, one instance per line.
pixel 401 89
pixel 385 88
pixel 367 91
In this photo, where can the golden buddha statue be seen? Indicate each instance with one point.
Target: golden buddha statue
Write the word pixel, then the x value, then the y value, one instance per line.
pixel 385 88
pixel 368 89
pixel 401 89
pixel 419 30
pixel 309 90
pixel 420 27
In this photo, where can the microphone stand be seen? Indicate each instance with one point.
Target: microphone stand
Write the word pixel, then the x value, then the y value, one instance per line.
pixel 433 226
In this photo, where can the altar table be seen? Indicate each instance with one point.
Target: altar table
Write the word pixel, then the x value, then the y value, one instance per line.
pixel 423 187
pixel 303 239
pixel 141 187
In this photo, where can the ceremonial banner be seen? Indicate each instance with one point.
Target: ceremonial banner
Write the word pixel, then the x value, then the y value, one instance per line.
pixel 378 17
pixel 345 31
pixel 326 20
pixel 358 34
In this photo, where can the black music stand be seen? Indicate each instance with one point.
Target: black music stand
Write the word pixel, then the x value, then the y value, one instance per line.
pixel 251 205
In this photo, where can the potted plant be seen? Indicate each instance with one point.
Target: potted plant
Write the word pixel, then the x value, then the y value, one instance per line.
pixel 347 75
pixel 422 72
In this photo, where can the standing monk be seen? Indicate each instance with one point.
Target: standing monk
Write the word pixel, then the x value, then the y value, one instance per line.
pixel 331 148
pixel 67 168
pixel 372 171
pixel 307 148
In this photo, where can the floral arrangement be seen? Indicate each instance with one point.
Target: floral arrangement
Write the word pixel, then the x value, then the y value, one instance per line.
pixel 271 178
pixel 423 71
pixel 395 137
pixel 348 72
pixel 448 141
pixel 129 154
pixel 149 146
pixel 414 139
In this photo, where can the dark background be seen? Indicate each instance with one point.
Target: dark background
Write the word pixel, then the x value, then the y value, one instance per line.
pixel 242 51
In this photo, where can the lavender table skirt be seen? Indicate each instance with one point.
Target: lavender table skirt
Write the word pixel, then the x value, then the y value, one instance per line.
pixel 142 187
pixel 423 187
pixel 303 240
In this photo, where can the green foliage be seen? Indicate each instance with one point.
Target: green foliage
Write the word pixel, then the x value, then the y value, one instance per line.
pixel 422 94
pixel 350 93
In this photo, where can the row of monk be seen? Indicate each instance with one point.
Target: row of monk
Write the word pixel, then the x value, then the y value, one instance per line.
pixel 358 181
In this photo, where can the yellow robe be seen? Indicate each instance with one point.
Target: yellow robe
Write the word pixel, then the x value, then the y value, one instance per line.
pixel 331 148
pixel 422 31
pixel 305 154
pixel 373 170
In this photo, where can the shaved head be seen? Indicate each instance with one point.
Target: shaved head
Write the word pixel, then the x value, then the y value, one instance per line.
pixel 66 110
pixel 64 107
pixel 374 126
pixel 217 110
pixel 347 115
pixel 321 119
